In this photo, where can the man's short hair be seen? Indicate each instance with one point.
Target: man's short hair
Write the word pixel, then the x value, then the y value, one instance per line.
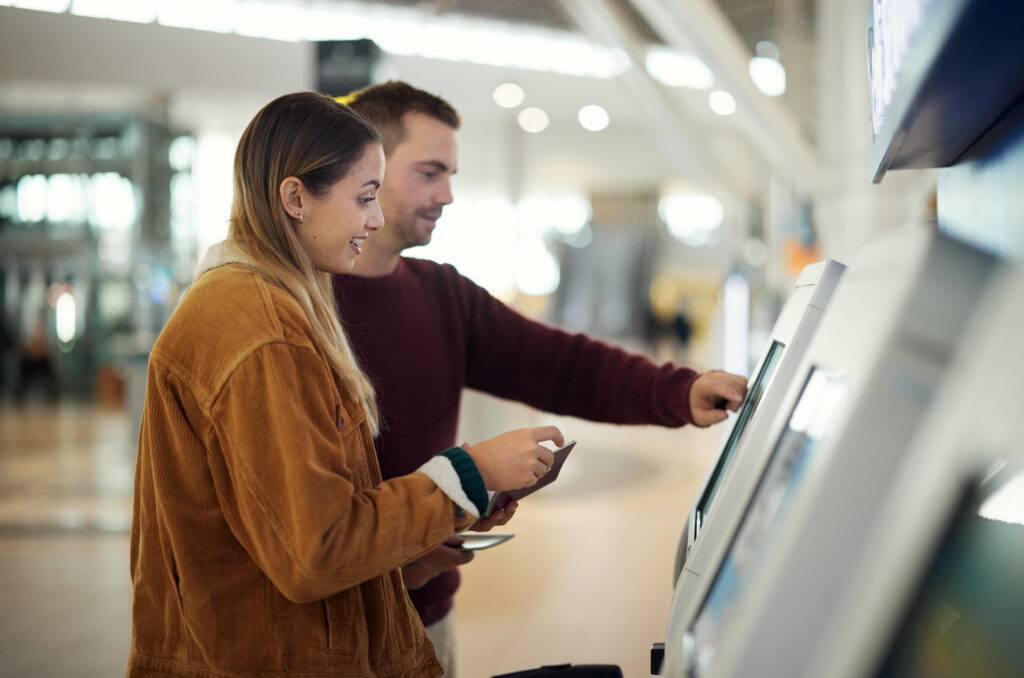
pixel 385 104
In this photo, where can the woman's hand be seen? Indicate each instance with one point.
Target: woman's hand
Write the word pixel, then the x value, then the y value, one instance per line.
pixel 515 459
pixel 445 557
pixel 498 517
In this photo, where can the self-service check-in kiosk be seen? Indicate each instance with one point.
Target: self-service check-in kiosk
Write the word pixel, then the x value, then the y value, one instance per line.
pixel 860 389
pixel 939 587
pixel 772 373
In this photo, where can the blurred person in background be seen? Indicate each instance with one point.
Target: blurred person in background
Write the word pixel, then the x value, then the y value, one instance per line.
pixel 264 540
pixel 423 332
pixel 35 365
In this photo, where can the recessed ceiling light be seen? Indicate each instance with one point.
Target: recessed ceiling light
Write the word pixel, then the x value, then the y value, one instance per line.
pixel 593 118
pixel 533 119
pixel 769 75
pixel 678 69
pixel 722 102
pixel 508 95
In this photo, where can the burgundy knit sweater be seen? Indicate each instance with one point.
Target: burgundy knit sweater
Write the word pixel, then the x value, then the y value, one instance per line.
pixel 425 332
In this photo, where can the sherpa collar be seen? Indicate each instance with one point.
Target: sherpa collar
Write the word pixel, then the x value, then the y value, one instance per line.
pixel 221 254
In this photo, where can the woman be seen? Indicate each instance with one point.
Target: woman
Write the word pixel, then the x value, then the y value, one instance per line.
pixel 264 541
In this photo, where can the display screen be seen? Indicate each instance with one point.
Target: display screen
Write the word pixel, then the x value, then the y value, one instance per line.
pixel 965 620
pixel 813 417
pixel 754 392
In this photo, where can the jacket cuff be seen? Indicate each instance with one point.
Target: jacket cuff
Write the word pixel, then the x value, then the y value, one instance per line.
pixel 457 475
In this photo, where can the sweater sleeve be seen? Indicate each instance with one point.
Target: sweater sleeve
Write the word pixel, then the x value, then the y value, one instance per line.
pixel 299 487
pixel 511 356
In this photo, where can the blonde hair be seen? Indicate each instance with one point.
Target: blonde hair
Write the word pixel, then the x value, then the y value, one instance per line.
pixel 317 140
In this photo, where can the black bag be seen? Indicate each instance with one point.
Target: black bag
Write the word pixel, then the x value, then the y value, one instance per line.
pixel 568 671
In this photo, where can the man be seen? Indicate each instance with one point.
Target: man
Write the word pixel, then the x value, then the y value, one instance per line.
pixel 423 333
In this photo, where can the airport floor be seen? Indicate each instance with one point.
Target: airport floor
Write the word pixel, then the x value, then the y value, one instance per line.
pixel 585 580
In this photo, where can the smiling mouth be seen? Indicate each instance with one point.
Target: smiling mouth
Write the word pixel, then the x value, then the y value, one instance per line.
pixel 356 243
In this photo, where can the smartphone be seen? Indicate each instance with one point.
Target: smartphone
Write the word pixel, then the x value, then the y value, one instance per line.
pixel 475 541
pixel 503 498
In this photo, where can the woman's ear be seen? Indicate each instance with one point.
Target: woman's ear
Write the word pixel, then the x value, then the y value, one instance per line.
pixel 292 197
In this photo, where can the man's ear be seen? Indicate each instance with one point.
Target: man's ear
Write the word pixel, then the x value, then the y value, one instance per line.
pixel 291 191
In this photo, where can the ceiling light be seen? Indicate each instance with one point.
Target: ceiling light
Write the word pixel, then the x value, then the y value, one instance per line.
pixel 769 75
pixel 678 69
pixel 593 118
pixel 533 120
pixel 495 44
pixel 205 15
pixel 139 11
pixel 43 5
pixel 508 95
pixel 271 20
pixel 722 102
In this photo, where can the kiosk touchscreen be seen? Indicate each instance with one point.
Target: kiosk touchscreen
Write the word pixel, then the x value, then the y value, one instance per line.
pixel 789 337
pixel 965 618
pixel 859 391
pixel 939 589
pixel 812 419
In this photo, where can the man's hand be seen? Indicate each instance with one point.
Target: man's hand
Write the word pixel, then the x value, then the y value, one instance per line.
pixel 417 573
pixel 713 393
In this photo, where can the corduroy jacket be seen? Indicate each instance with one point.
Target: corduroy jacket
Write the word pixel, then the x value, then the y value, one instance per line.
pixel 264 542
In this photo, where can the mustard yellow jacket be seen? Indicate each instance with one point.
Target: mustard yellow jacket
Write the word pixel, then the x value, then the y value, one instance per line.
pixel 264 542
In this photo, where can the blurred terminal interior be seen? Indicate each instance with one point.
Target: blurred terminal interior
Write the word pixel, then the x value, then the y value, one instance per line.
pixel 652 172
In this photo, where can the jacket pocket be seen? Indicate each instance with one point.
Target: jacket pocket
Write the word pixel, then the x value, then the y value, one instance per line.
pixel 345 620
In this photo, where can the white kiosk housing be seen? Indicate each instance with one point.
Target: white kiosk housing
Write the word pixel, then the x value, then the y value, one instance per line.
pixel 859 392
pixel 789 338
pixel 941 582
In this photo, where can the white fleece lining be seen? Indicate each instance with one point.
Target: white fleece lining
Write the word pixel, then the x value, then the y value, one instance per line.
pixel 221 254
pixel 441 470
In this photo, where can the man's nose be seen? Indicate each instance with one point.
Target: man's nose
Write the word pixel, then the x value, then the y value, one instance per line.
pixel 444 193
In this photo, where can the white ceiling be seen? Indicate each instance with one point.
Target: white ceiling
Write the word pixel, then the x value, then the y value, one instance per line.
pixel 213 81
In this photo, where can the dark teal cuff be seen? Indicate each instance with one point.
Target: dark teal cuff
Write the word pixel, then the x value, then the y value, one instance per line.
pixel 469 475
